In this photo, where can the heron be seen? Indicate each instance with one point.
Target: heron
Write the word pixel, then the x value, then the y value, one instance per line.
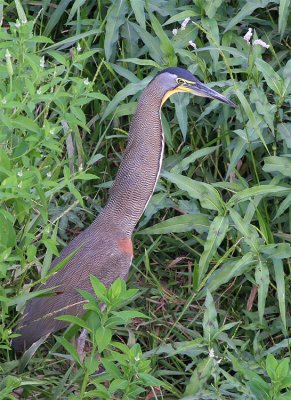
pixel 105 248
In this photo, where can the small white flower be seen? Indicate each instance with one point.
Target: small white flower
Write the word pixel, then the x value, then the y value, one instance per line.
pixel 24 21
pixel 7 54
pixel 137 358
pixel 47 229
pixel 248 35
pixel 19 185
pixel 174 32
pixel 81 168
pixel 211 353
pixel 19 173
pixel 41 62
pixel 3 101
pixel 86 82
pixel 79 48
pixel 261 43
pixel 219 361
pixel 185 23
pixel 17 24
pixel 192 44
pixel 52 131
pixel 49 174
pixel 38 91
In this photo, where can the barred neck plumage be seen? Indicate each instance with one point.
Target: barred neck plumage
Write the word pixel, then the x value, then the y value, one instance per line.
pixel 139 170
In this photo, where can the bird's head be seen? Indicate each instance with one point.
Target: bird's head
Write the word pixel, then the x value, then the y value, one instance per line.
pixel 176 80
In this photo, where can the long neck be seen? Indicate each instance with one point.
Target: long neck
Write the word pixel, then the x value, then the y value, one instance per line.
pixel 139 170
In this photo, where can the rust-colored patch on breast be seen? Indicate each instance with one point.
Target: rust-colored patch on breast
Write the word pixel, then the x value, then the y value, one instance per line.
pixel 125 245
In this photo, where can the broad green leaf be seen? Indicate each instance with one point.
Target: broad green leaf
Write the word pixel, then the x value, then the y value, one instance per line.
pixel 208 196
pixel 75 320
pixel 211 27
pixel 273 80
pixel 216 234
pixel 69 348
pixel 115 18
pixel 50 244
pixel 230 270
pixel 56 16
pixel 166 46
pixel 199 377
pixel 247 230
pixel 263 190
pixel 139 11
pixel 26 123
pixel 152 43
pixel 181 16
pixel 283 370
pixel 271 366
pixel 7 232
pixel 22 298
pixel 182 223
pixel 210 323
pixel 284 12
pixel 58 56
pixel 125 109
pixel 186 162
pixel 124 72
pixel 181 42
pixel 76 193
pixel 28 354
pixel 129 90
pixel 211 7
pixel 278 250
pixel 138 61
pixel 281 292
pixel 5 164
pixel 127 316
pixel 251 116
pixel 130 40
pixel 262 281
pixel 99 288
pixel 285 130
pixel 238 152
pixel 263 107
pixel 181 101
pixel 85 176
pixel 247 9
pixel 77 4
pixel 72 39
pixel 278 164
pixel 40 39
pixel 20 11
pixel 103 338
pixel 286 203
pixel 150 380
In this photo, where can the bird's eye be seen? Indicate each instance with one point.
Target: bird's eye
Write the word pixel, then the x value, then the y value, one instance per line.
pixel 180 81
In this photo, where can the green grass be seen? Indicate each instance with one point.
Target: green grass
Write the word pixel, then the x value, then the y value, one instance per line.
pixel 211 315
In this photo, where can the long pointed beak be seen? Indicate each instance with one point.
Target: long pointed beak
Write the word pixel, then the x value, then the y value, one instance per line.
pixel 199 89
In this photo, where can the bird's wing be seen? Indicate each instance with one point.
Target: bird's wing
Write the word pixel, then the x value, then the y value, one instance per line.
pixel 101 258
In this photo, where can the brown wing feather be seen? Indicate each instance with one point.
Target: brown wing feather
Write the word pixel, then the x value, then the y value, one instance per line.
pixel 96 256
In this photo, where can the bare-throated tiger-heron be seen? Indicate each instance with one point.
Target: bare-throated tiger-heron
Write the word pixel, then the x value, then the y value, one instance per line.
pixel 105 249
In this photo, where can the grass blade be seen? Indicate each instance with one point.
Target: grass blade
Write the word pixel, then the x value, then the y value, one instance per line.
pixel 262 280
pixel 280 284
pixel 115 18
pixel 182 223
pixel 216 234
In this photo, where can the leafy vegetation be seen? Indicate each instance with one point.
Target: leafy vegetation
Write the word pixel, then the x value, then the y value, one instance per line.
pixel 211 315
